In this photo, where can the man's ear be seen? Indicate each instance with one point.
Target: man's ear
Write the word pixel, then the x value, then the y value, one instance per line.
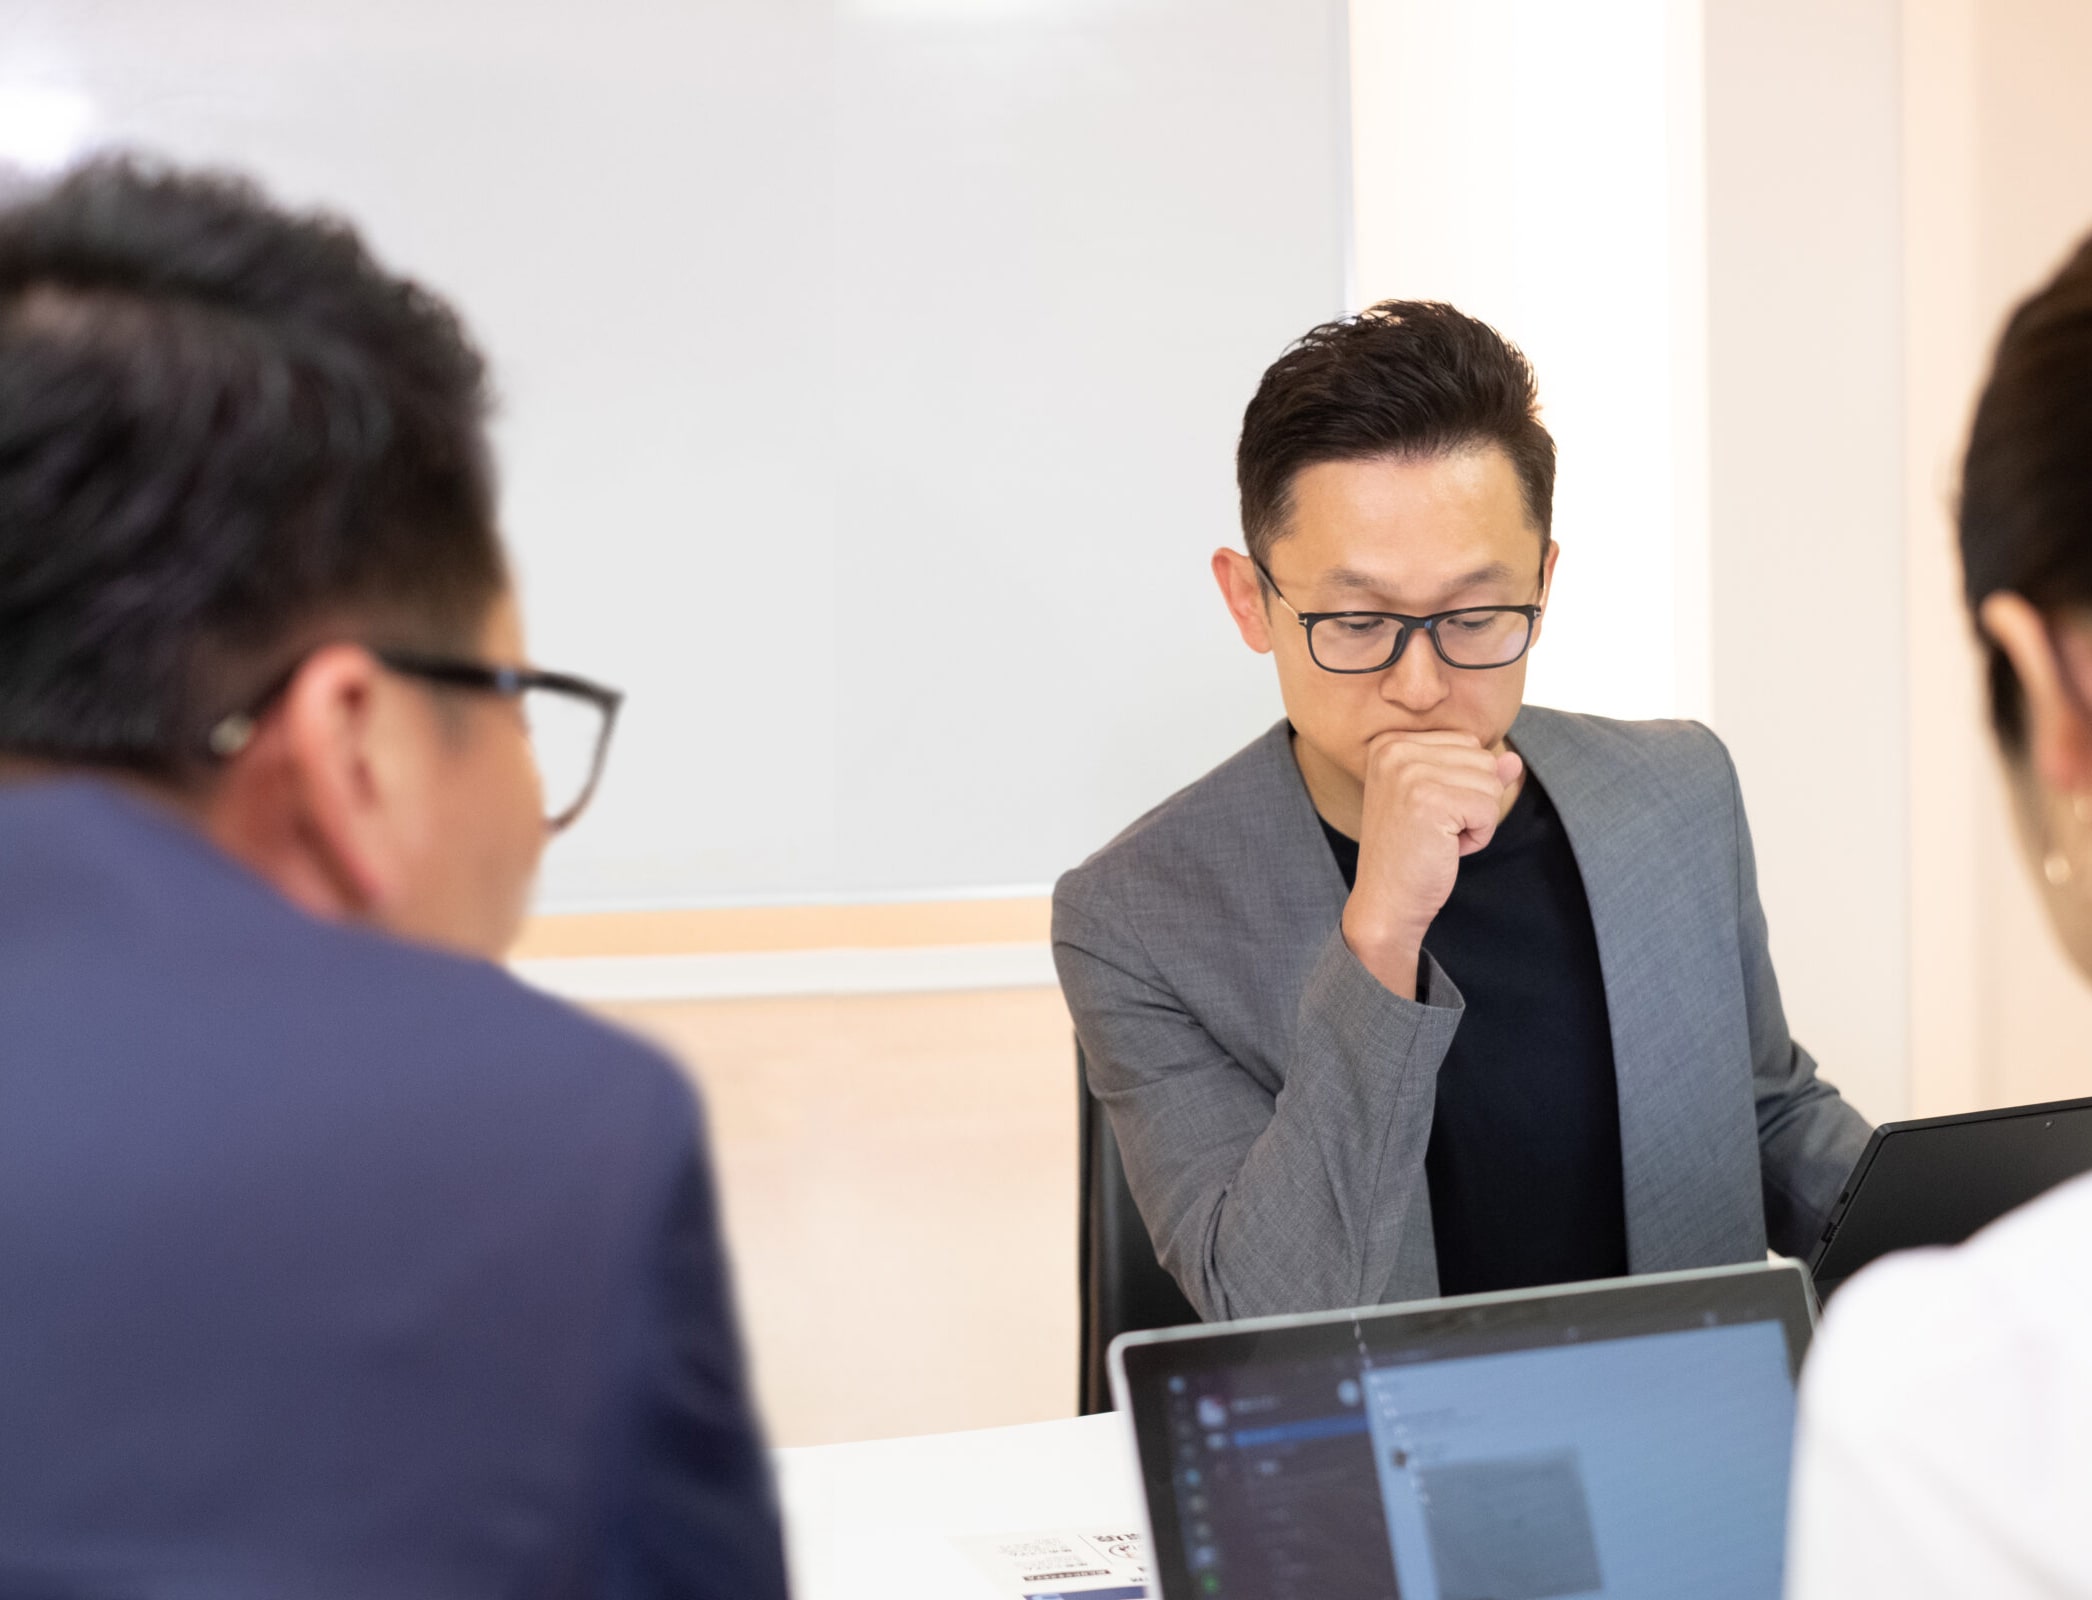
pixel 1242 587
pixel 2054 668
pixel 323 803
pixel 1546 587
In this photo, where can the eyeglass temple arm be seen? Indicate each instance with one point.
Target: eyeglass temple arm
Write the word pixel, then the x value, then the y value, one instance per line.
pixel 1272 583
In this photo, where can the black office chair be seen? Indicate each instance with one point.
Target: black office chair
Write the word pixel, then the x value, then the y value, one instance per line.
pixel 1123 1286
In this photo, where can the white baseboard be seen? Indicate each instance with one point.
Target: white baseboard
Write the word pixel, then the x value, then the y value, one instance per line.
pixel 920 969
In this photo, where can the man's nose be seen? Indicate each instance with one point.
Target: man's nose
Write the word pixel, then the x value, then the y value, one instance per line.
pixel 1417 680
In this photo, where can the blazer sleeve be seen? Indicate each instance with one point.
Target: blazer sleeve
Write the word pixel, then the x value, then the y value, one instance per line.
pixel 1808 1137
pixel 696 1515
pixel 1258 1201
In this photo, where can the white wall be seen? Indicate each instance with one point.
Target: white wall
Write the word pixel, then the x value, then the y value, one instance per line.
pixel 1539 166
pixel 871 375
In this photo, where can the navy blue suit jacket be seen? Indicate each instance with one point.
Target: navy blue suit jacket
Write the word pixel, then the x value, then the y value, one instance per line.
pixel 334 1266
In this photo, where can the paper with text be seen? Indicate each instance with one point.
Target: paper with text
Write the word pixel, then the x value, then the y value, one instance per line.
pixel 1095 1564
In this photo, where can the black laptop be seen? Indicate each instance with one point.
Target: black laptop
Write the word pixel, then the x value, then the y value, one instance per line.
pixel 1936 1180
pixel 1621 1438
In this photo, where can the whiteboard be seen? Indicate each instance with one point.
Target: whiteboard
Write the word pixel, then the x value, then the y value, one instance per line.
pixel 870 376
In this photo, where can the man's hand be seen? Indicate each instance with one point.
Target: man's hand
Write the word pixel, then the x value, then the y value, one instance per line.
pixel 1431 798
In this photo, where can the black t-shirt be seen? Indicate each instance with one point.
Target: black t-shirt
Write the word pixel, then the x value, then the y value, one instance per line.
pixel 1524 1160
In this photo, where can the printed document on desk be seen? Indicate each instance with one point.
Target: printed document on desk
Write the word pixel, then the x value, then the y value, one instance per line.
pixel 1080 1564
pixel 898 1519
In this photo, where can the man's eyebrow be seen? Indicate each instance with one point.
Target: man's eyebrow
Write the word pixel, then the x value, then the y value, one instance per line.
pixel 1364 582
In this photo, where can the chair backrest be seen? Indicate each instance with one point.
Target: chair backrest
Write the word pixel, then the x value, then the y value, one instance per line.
pixel 1123 1286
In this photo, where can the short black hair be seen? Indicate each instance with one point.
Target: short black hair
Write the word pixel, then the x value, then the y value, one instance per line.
pixel 2026 482
pixel 223 426
pixel 1402 379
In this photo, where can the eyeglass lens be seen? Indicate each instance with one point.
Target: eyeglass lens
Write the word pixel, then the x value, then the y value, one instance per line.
pixel 566 735
pixel 1366 643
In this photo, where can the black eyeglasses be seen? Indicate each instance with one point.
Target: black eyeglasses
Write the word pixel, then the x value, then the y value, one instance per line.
pixel 1472 638
pixel 569 719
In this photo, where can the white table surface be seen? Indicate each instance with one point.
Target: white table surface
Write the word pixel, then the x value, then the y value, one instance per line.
pixel 876 1521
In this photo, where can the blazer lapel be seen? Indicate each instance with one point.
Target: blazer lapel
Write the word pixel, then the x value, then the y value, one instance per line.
pixel 1656 943
pixel 1282 819
pixel 1289 890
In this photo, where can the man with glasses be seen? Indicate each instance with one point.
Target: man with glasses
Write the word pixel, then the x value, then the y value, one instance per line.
pixel 1425 992
pixel 335 1262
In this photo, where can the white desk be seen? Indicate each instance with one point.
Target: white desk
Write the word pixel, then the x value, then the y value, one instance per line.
pixel 876 1521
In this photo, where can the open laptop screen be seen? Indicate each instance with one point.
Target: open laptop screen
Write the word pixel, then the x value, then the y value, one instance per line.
pixel 1626 1439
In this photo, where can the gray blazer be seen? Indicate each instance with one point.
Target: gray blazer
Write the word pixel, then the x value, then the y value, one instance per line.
pixel 1274 1101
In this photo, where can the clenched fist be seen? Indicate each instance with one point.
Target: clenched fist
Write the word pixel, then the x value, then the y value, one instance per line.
pixel 1431 798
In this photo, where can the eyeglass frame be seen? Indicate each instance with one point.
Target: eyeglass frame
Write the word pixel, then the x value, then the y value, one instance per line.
pixel 231 733
pixel 1427 625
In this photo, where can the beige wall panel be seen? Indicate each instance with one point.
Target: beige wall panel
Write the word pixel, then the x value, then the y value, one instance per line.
pixel 1949 773
pixel 1024 920
pixel 1998 186
pixel 898 1175
pixel 1806 477
pixel 2034 200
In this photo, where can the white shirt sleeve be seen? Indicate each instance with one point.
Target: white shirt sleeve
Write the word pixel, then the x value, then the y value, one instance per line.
pixel 1945 1438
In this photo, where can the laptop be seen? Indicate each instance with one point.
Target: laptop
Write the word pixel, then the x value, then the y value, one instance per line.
pixel 1624 1438
pixel 1936 1180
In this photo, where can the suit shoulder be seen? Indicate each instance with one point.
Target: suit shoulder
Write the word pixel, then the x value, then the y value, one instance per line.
pixel 1676 740
pixel 475 1058
pixel 520 1028
pixel 144 914
pixel 456 1045
pixel 1172 842
pixel 1673 752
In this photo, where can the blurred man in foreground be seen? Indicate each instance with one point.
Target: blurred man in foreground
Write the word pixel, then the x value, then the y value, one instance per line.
pixel 334 1262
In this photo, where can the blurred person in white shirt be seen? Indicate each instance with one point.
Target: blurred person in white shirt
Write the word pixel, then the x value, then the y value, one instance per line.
pixel 1945 1442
